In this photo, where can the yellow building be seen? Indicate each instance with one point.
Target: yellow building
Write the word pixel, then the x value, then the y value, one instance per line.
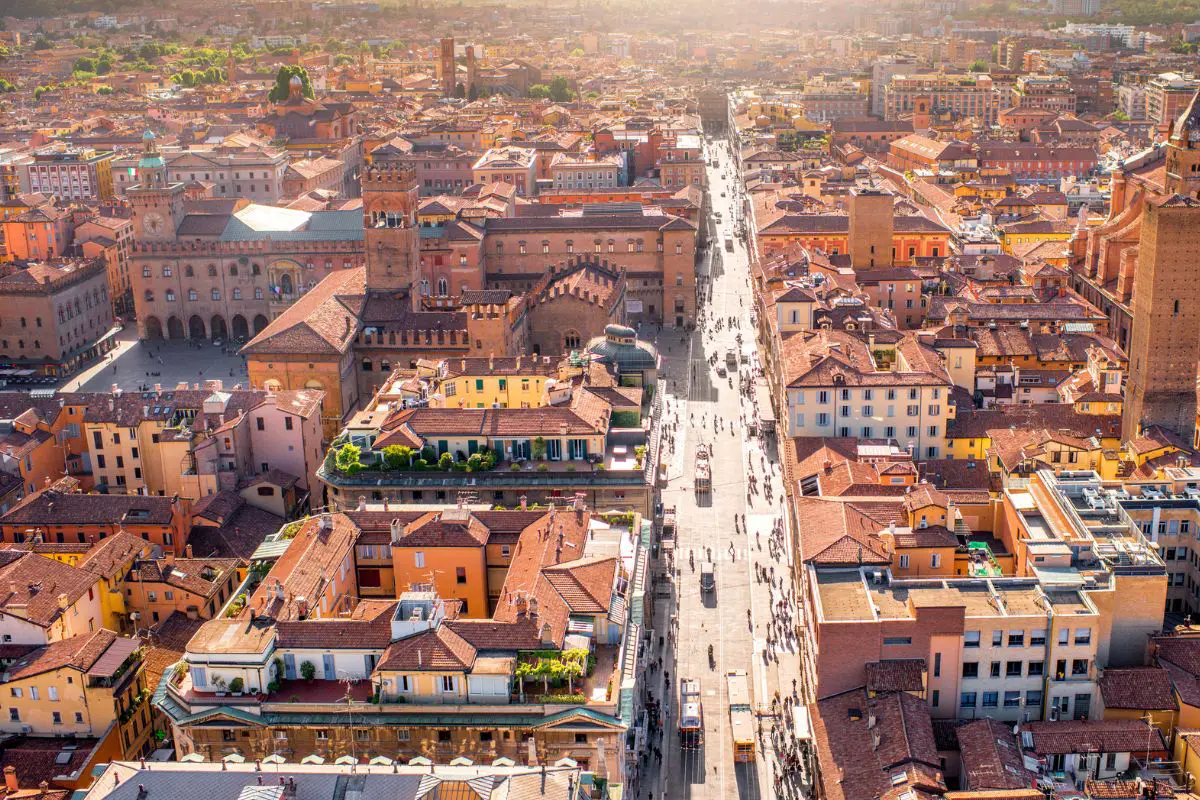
pixel 90 685
pixel 492 383
pixel 1033 232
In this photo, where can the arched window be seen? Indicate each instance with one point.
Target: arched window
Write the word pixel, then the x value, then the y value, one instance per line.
pixel 149 296
pixel 233 270
pixel 237 294
pixel 24 324
pixel 170 293
pixel 571 340
pixel 366 365
pixel 188 272
pixel 192 295
pixel 212 271
pixel 255 269
pixel 443 286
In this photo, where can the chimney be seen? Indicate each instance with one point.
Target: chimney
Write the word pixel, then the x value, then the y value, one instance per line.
pixel 524 503
pixel 828 466
pixel 187 551
pixel 64 601
pixel 10 779
pixel 362 502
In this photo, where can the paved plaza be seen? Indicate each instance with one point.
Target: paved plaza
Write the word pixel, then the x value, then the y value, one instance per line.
pixel 135 364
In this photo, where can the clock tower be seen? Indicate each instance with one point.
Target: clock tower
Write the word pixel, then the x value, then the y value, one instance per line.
pixel 157 205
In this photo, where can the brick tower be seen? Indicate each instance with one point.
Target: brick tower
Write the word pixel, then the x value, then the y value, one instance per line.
pixel 1164 345
pixel 446 58
pixel 389 195
pixel 872 219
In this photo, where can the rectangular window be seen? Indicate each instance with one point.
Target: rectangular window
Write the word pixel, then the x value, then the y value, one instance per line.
pixel 991 699
pixel 419 560
pixel 1036 669
pixel 1083 636
pixel 971 639
pixel 903 562
pixel 1012 699
pixel 937 665
pixel 967 700
pixel 897 641
pixel 997 638
pixel 1037 637
pixel 1016 638
pixel 970 669
pixel 1013 669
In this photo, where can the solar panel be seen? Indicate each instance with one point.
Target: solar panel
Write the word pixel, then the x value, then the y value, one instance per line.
pixel 63 758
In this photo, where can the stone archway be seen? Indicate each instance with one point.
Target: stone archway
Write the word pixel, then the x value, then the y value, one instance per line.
pixel 196 328
pixel 241 329
pixel 175 328
pixel 154 328
pixel 217 327
pixel 260 324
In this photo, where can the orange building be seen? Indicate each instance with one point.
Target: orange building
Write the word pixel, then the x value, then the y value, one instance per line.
pixel 60 514
pixel 444 550
pixel 913 237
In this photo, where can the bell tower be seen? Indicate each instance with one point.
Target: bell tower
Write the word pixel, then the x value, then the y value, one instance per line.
pixel 157 205
pixel 390 197
pixel 1183 152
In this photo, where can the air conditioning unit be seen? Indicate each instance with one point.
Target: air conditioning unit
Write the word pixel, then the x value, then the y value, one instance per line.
pixel 26 729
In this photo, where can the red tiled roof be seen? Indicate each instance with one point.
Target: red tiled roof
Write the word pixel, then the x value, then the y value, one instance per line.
pixel 438 650
pixel 1104 736
pixel 1137 688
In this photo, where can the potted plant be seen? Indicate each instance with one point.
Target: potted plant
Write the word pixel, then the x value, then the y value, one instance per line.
pixel 219 685
pixel 236 686
pixel 308 671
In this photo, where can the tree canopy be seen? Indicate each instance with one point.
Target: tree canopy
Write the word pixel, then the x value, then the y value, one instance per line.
pixel 279 92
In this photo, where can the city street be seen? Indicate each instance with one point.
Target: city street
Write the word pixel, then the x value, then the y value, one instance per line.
pixel 733 526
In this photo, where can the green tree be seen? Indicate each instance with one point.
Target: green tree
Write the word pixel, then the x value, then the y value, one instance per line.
pixel 1119 116
pixel 348 459
pixel 84 64
pixel 473 93
pixel 42 43
pixel 6 87
pixel 397 456
pixel 459 91
pixel 539 91
pixel 561 91
pixel 446 461
pixel 537 448
pixel 283 79
pixel 979 65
